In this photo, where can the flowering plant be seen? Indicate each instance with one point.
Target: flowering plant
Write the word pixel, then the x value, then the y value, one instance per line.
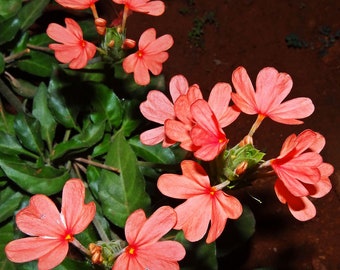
pixel 85 101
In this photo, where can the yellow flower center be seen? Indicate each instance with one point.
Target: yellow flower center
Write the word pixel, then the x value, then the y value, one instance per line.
pixel 140 54
pixel 69 237
pixel 212 191
pixel 131 250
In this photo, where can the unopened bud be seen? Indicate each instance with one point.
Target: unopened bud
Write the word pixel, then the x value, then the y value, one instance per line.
pixel 100 26
pixel 111 43
pixel 246 140
pixel 129 44
pixel 241 168
pixel 96 253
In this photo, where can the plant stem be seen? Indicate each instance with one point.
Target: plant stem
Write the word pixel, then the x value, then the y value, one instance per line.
pixel 97 164
pixel 15 56
pixel 256 124
pixel 83 249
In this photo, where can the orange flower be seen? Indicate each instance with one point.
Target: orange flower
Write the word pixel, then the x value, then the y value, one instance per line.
pixel 301 173
pixel 74 50
pixel 301 207
pixel 154 8
pixel 199 123
pixel 150 56
pixel 158 108
pixel 144 250
pixel 51 231
pixel 204 204
pixel 77 4
pixel 272 88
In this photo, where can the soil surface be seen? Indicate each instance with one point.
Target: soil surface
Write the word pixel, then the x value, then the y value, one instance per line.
pixel 300 38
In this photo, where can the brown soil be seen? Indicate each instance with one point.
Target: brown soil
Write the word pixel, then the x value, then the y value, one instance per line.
pixel 252 34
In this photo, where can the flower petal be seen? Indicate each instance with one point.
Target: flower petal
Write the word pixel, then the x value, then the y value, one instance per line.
pixel 178 86
pixel 77 215
pixel 33 248
pixel 193 217
pixel 157 107
pixel 156 226
pixel 40 218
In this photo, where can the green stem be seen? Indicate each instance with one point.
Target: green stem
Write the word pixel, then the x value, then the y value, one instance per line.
pixel 15 56
pixel 39 48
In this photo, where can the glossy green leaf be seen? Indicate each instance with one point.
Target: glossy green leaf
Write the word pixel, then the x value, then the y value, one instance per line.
pixel 102 147
pixel 89 136
pixel 199 255
pixel 132 117
pixel 30 12
pixel 154 153
pixel 6 235
pixel 62 105
pixel 8 8
pixel 28 131
pixel 236 233
pixel 37 63
pixel 7 122
pixel 9 202
pixel 9 29
pixel 21 43
pixel 106 106
pixel 68 264
pixel 121 194
pixel 43 114
pixel 10 145
pixel 45 180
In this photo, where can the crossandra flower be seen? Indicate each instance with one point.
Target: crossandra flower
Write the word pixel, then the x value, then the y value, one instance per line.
pixel 199 123
pixel 302 173
pixel 154 8
pixel 73 48
pixel 158 108
pixel 272 87
pixel 51 231
pixel 144 250
pixel 76 4
pixel 299 161
pixel 301 207
pixel 204 203
pixel 151 55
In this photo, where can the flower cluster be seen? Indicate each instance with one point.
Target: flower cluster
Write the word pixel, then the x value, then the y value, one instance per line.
pixel 185 122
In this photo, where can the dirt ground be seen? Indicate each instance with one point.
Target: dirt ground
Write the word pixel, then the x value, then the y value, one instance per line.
pixel 300 38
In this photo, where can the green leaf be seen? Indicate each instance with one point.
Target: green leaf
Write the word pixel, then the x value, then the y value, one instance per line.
pixel 37 63
pixel 28 131
pixel 45 180
pixel 8 8
pixel 132 117
pixel 6 235
pixel 9 29
pixel 31 12
pixel 68 264
pixel 121 194
pixel 44 115
pixel 236 233
pixel 199 255
pixel 154 153
pixel 9 202
pixel 11 146
pixel 89 136
pixel 62 105
pixel 106 106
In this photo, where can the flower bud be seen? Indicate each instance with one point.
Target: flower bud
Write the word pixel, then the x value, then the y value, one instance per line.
pixel 96 253
pixel 129 44
pixel 100 26
pixel 241 168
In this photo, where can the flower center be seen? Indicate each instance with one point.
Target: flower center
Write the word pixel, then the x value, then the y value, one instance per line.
pixel 212 191
pixel 69 237
pixel 131 250
pixel 83 43
pixel 140 54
